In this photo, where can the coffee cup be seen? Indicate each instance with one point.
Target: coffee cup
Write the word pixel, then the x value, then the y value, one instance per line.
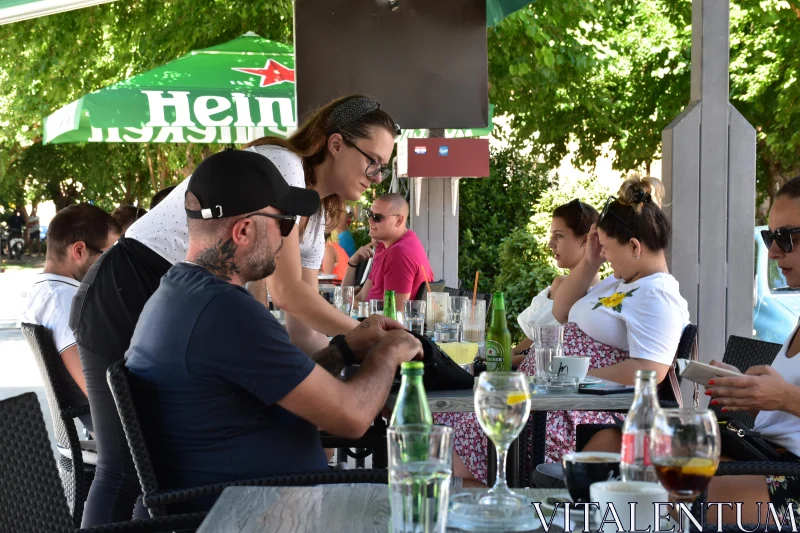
pixel 622 494
pixel 573 366
pixel 582 469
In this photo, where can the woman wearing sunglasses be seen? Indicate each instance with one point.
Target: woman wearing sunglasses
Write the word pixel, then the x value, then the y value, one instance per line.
pixel 340 151
pixel 771 394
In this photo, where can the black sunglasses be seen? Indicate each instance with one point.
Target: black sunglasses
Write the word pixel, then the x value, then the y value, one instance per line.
pixel 607 211
pixel 286 221
pixel 375 167
pixel 781 236
pixel 378 218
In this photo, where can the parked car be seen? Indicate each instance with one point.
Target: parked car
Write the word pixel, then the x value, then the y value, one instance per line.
pixel 776 306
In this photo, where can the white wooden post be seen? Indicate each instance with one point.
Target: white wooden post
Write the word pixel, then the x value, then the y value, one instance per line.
pixel 709 174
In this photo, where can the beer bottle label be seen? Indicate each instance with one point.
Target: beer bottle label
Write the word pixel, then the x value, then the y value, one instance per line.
pixel 494 356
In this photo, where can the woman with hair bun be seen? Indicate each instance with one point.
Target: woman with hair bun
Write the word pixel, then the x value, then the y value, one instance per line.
pixel 630 321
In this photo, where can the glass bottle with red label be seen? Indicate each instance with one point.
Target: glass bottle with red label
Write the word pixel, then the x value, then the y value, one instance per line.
pixel 635 464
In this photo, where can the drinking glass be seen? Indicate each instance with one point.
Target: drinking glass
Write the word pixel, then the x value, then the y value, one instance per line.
pixel 437 306
pixel 343 299
pixel 420 467
pixel 685 448
pixel 502 406
pixel 446 333
pixel 552 336
pixel 457 304
pixel 376 307
pixel 414 316
pixel 473 324
pixel 547 343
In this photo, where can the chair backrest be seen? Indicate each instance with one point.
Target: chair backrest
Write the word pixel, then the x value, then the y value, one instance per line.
pixel 31 496
pixel 117 376
pixel 436 286
pixel 743 353
pixel 669 389
pixel 44 352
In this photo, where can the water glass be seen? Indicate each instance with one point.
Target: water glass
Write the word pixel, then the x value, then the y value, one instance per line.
pixel 414 315
pixel 376 307
pixel 457 304
pixel 552 336
pixel 420 467
pixel 473 324
pixel 363 309
pixel 544 356
pixel 343 299
pixel 446 332
pixel 437 307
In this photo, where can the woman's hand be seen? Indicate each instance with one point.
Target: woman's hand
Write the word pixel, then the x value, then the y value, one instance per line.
pixel 362 254
pixel 761 388
pixel 726 366
pixel 594 252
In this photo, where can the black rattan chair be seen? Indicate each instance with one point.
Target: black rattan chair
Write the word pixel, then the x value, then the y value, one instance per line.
pixel 31 495
pixel 156 499
pixel 77 458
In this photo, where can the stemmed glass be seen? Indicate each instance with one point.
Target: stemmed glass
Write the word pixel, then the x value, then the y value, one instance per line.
pixel 684 448
pixel 502 406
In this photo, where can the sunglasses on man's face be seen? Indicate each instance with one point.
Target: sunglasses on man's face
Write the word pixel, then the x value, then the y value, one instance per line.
pixel 781 236
pixel 376 217
pixel 286 221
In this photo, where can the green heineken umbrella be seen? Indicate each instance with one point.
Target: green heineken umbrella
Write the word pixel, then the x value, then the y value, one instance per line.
pixel 497 10
pixel 230 93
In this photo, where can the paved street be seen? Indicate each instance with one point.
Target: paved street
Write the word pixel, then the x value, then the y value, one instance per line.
pixel 18 371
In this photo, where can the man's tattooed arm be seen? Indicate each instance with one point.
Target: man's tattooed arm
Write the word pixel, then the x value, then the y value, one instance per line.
pixel 219 259
pixel 330 359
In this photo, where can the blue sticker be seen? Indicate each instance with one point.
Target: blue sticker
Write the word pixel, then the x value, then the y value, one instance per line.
pixel 443 150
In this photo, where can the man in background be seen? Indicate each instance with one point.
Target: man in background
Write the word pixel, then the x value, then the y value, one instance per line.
pixel 346 240
pixel 77 236
pixel 400 263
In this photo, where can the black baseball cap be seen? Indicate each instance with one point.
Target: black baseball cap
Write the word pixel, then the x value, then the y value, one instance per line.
pixel 238 182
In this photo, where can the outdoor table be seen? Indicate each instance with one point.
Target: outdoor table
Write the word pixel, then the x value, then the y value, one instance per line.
pixel 463 401
pixel 362 508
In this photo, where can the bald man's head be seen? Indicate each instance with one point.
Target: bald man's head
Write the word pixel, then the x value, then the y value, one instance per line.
pixel 396 202
pixel 392 210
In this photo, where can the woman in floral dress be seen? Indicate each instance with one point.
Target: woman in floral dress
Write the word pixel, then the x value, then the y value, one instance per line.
pixel 770 393
pixel 630 321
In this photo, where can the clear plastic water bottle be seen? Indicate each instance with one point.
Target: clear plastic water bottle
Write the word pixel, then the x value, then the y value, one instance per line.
pixel 635 464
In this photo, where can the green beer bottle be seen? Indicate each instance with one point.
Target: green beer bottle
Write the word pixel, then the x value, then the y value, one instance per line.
pixel 389 306
pixel 412 403
pixel 498 338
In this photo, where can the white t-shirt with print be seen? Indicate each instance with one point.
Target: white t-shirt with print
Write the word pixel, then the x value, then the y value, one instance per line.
pixel 165 229
pixel 780 427
pixel 49 303
pixel 646 317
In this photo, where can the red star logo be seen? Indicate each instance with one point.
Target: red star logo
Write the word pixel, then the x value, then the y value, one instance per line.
pixel 272 73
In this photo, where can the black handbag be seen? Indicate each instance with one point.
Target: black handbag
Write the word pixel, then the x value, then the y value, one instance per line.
pixel 743 444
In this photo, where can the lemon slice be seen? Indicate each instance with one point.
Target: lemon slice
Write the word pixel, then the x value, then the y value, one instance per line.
pixel 698 466
pixel 517 397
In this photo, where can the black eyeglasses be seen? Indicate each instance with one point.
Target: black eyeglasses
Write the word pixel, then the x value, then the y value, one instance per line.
pixel 375 167
pixel 781 236
pixel 286 221
pixel 607 211
pixel 378 218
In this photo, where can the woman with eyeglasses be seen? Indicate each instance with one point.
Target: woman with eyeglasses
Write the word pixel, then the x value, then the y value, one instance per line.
pixel 770 394
pixel 569 232
pixel 340 151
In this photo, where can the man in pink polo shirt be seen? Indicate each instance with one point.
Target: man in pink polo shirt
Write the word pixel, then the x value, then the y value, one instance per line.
pixel 400 263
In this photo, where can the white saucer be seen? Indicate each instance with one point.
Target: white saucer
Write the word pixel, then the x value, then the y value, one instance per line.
pixel 588 380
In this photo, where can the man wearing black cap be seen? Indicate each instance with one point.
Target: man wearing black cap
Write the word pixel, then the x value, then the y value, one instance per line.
pixel 221 391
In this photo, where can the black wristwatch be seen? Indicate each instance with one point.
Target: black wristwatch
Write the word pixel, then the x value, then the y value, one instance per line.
pixel 347 354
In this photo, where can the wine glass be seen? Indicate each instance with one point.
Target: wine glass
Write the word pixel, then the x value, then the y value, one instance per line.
pixel 684 448
pixel 502 406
